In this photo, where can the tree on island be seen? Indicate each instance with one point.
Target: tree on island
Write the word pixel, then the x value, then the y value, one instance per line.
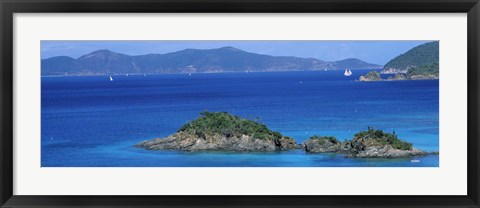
pixel 383 138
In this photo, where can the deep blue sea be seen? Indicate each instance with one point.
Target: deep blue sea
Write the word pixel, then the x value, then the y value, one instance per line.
pixel 92 122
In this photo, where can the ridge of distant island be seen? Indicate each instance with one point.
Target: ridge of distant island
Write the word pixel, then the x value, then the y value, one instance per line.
pixel 418 63
pixel 221 131
pixel 225 59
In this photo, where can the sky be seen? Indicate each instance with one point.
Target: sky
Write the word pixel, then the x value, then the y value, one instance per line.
pixel 376 52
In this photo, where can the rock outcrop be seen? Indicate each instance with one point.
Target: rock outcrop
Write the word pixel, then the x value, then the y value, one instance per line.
pixel 370 77
pixel 322 144
pixel 392 71
pixel 398 76
pixel 217 142
pixel 414 74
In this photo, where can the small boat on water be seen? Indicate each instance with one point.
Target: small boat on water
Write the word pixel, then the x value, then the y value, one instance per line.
pixel 347 73
pixel 111 78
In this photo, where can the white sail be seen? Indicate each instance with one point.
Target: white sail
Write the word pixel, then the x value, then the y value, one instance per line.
pixel 347 72
pixel 111 78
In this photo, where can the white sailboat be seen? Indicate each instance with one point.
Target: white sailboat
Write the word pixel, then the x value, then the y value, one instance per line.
pixel 347 73
pixel 111 78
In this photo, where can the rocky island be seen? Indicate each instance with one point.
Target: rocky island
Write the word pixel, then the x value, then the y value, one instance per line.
pixel 365 144
pixel 221 131
pixel 370 77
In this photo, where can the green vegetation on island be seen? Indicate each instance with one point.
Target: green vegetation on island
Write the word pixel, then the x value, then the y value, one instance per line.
pixel 429 71
pixel 228 125
pixel 418 56
pixel 378 137
pixel 221 131
pixel 324 139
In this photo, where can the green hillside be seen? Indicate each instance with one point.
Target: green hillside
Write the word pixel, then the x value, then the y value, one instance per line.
pixel 227 124
pixel 419 61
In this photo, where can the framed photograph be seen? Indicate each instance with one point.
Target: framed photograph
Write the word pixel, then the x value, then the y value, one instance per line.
pixel 267 103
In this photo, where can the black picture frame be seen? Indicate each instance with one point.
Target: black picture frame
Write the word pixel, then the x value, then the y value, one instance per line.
pixel 10 7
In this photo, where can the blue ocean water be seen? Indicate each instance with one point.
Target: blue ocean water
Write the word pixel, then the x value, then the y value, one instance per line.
pixel 92 122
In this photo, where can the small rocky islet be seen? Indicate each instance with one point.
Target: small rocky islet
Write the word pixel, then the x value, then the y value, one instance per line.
pixel 221 131
pixel 365 144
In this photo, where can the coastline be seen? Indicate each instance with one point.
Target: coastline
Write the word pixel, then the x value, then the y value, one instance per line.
pixel 193 73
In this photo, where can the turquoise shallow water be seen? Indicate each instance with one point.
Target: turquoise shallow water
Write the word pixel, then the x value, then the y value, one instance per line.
pixel 91 122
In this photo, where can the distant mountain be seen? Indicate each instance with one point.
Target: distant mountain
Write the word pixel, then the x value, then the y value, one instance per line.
pixel 226 59
pixel 353 63
pixel 418 59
